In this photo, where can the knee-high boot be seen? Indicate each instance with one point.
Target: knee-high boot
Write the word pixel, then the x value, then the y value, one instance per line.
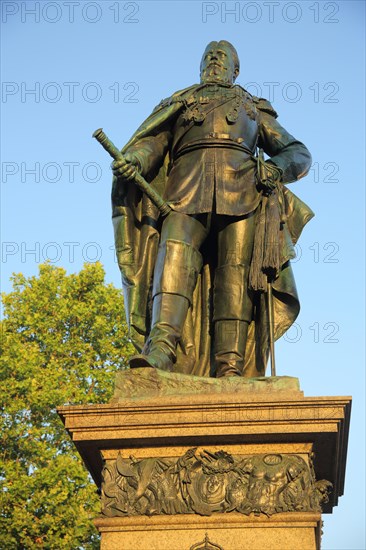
pixel 168 316
pixel 229 347
pixel 176 271
pixel 233 308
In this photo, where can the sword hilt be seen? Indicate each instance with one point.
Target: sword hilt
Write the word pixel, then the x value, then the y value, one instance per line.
pixel 107 144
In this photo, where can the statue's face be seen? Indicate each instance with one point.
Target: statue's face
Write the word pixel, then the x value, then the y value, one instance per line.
pixel 217 64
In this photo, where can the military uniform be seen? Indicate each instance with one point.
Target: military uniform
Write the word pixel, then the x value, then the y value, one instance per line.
pixel 210 134
pixel 211 145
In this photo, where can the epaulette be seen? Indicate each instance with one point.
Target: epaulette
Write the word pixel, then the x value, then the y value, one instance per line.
pixel 178 97
pixel 165 102
pixel 264 106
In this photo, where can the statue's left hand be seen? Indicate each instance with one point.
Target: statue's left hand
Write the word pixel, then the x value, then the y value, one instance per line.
pixel 273 175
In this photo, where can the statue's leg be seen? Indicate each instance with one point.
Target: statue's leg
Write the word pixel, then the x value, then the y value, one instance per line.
pixel 233 300
pixel 177 266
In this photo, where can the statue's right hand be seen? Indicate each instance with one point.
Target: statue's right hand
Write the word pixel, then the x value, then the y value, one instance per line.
pixel 127 168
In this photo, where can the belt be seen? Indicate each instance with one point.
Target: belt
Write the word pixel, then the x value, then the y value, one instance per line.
pixel 214 139
pixel 218 135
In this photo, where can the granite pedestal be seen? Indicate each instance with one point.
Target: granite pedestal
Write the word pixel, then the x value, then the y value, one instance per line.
pixel 194 463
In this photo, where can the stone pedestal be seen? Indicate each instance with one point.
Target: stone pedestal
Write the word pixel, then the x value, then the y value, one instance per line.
pixel 192 463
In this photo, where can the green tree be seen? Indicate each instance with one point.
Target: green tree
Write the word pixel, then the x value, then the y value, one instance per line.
pixel 62 338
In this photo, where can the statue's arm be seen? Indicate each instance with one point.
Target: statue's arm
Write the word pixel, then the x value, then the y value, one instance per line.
pixel 286 152
pixel 150 152
pixel 147 148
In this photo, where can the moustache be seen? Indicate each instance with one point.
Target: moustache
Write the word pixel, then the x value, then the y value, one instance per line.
pixel 215 64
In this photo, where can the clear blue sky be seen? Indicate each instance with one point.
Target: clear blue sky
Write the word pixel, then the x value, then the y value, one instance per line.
pixel 108 63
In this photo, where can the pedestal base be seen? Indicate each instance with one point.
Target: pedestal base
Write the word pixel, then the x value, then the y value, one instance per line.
pixel 295 531
pixel 199 464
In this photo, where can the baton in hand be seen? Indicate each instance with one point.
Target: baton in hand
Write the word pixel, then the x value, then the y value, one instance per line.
pixel 141 183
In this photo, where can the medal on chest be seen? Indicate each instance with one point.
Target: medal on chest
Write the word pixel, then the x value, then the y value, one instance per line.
pixel 199 105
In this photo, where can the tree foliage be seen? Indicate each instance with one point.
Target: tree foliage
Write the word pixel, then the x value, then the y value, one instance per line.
pixel 62 338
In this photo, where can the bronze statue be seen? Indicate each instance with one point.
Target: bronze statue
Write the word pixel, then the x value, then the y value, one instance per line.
pixel 196 280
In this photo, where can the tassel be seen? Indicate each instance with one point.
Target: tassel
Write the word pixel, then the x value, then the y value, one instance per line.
pixel 257 278
pixel 267 256
pixel 271 255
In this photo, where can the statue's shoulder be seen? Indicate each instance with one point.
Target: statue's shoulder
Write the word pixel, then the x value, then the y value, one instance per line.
pixel 180 96
pixel 255 103
pixel 264 105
